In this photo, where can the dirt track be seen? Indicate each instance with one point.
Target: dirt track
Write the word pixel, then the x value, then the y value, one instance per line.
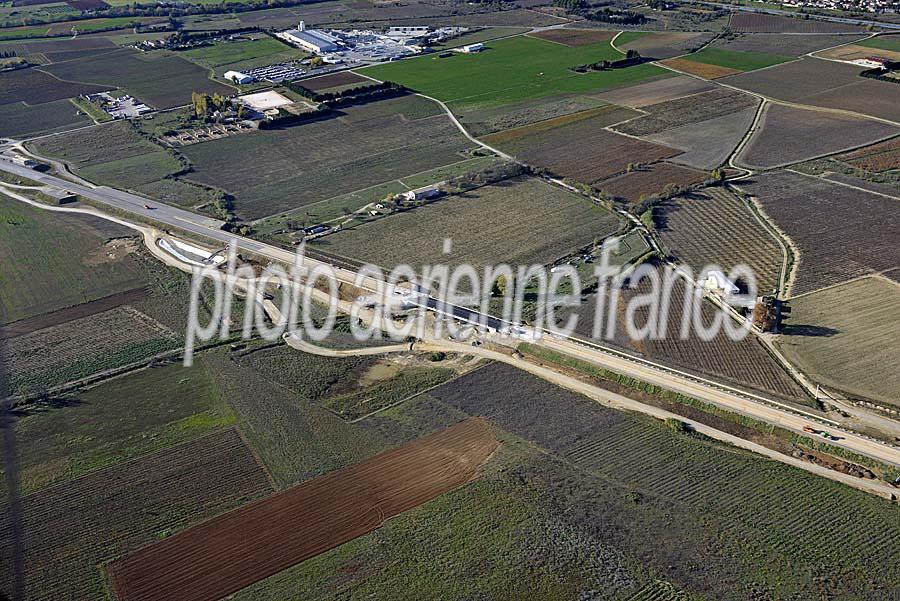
pixel 234 550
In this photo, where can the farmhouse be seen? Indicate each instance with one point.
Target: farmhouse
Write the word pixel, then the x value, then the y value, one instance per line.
pixel 238 77
pixel 422 193
pixel 313 40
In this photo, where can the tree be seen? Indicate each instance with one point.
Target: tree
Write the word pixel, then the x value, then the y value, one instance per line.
pixel 632 54
pixel 499 287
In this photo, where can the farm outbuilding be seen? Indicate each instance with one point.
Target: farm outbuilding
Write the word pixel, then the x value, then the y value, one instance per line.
pixel 238 77
pixel 421 193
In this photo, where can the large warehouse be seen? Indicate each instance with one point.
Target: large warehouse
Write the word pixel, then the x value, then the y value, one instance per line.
pixel 313 40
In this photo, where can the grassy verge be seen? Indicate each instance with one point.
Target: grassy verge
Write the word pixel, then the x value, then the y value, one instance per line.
pixel 91 110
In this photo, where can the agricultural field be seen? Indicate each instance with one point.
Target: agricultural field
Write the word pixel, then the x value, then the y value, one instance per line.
pixel 781 44
pixel 707 144
pixel 487 121
pixel 737 60
pixel 575 37
pixel 283 226
pixel 115 510
pixel 842 233
pixel 582 150
pixel 825 84
pixel 638 471
pixel 60 46
pixel 87 268
pixel 17 119
pixel 276 395
pixel 884 156
pixel 360 147
pixel 891 43
pixel 511 70
pixel 844 338
pixel 118 420
pixel 704 70
pixel 520 222
pixel 341 506
pixel 601 116
pixel 854 52
pixel 242 54
pixel 78 348
pixel 649 180
pixel 792 135
pixel 333 80
pixel 656 92
pixel 159 80
pixel 688 110
pixel 746 22
pixel 718 227
pixel 34 87
pixel 661 45
pixel 745 363
pixel 119 154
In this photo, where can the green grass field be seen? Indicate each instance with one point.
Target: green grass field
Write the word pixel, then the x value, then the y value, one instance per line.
pixel 627 37
pixel 243 54
pixel 118 420
pixel 18 119
pixel 883 42
pixel 511 70
pixel 40 273
pixel 733 59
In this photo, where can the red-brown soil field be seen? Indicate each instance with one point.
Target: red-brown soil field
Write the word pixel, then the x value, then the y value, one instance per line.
pixel 650 180
pixel 236 549
pixel 575 37
pixel 883 156
pixel 759 23
pixel 71 528
pixel 704 70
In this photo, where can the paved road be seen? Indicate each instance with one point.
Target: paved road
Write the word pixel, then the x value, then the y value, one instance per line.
pixel 124 201
pixel 795 14
pixel 727 397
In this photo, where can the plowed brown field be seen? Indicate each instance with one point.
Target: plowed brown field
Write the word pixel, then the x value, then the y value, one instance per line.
pixel 244 546
pixel 704 70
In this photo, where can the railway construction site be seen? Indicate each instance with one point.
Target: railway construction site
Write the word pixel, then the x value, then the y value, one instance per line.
pixel 485 455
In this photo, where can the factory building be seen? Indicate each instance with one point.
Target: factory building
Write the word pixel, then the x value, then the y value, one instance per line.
pixel 313 40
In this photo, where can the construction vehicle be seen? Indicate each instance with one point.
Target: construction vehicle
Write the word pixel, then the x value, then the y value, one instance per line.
pixel 822 433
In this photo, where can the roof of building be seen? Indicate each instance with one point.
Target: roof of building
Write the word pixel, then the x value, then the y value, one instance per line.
pixel 313 36
pixel 722 282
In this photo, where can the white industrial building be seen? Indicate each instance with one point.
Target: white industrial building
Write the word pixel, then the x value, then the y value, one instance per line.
pixel 313 40
pixel 472 48
pixel 238 77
